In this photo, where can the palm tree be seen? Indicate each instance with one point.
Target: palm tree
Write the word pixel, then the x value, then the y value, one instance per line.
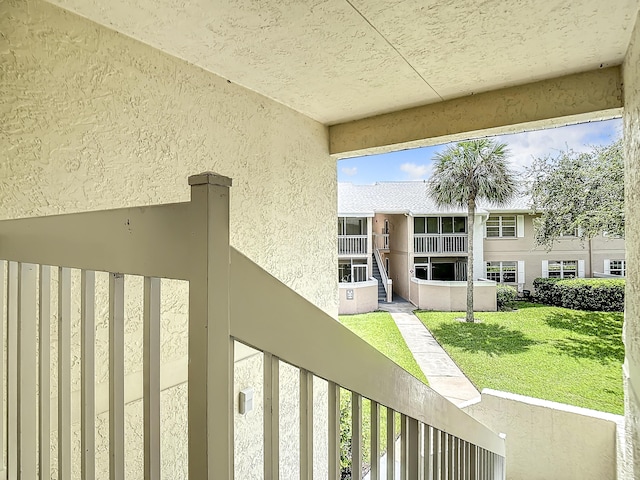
pixel 465 173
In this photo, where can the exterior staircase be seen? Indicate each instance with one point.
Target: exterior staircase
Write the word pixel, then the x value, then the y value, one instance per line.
pixel 382 294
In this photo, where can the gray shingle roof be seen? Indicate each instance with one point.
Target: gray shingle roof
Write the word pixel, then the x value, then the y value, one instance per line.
pixel 403 197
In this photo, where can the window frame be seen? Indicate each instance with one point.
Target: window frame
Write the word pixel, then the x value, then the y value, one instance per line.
pixel 620 271
pixel 501 271
pixel 352 264
pixel 501 226
pixel 563 270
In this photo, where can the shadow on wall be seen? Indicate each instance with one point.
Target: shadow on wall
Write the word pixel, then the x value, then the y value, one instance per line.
pixel 603 330
pixel 482 337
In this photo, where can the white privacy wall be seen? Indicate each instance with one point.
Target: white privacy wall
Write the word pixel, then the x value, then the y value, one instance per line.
pixel 91 119
pixel 548 440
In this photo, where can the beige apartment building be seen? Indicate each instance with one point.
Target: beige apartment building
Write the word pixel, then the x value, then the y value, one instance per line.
pixel 114 105
pixel 393 231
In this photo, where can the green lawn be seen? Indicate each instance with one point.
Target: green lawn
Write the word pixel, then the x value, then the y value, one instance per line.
pixel 380 331
pixel 553 353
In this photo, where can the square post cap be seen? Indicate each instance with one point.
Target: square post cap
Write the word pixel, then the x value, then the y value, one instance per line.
pixel 209 178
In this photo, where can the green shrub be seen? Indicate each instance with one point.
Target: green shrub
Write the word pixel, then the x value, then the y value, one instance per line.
pixel 544 291
pixel 505 294
pixel 596 294
pixel 599 294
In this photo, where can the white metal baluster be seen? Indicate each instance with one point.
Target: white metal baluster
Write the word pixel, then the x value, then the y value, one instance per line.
pixel 467 461
pixel 443 455
pixel 44 372
pixel 413 447
pixel 356 436
pixel 64 373
pixel 334 430
pixel 271 419
pixel 151 373
pixel 473 462
pixel 2 390
pixel 306 425
pixel 391 443
pixel 116 376
pixel 451 456
pixel 375 441
pixel 436 454
pixel 12 370
pixel 87 374
pixel 426 449
pixel 404 436
pixel 27 372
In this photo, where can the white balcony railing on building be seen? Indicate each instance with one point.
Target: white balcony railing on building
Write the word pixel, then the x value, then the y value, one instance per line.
pixel 352 244
pixel 381 241
pixel 445 243
pixel 230 301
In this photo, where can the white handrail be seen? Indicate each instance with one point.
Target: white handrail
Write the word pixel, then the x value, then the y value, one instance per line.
pixel 190 241
pixel 386 281
pixel 263 324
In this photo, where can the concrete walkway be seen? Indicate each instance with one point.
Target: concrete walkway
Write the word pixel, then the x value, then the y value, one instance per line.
pixel 443 374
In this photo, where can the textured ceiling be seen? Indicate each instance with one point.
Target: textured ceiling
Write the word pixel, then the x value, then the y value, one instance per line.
pixel 338 60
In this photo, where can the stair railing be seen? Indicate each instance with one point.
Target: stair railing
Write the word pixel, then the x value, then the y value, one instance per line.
pixel 231 301
pixel 386 281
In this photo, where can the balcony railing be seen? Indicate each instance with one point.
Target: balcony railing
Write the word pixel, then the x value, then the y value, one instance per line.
pixel 381 241
pixel 445 243
pixel 352 245
pixel 51 264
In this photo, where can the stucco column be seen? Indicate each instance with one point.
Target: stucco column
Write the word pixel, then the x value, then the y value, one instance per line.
pixel 478 247
pixel 631 75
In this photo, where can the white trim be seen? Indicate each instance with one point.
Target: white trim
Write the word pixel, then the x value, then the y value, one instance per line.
pixel 607 266
pixel 545 268
pixel 520 226
pixel 580 268
pixel 521 272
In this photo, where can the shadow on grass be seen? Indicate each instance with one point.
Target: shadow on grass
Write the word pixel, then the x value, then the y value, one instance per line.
pixel 604 332
pixel 482 337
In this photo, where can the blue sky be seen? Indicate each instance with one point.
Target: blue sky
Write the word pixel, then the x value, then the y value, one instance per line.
pixel 415 164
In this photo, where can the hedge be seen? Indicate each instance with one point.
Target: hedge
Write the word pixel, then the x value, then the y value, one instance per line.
pixel 505 294
pixel 598 294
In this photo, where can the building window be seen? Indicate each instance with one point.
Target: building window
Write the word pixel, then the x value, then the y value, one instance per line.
pixel 501 226
pixel 563 268
pixel 502 272
pixel 352 270
pixel 352 226
pixel 617 267
pixel 421 268
pixel 438 225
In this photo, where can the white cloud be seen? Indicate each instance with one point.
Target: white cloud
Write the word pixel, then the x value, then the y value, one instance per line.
pixel 350 171
pixel 524 147
pixel 416 172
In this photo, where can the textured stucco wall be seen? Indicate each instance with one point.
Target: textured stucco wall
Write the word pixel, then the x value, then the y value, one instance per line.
pixel 631 70
pixel 548 440
pixel 452 296
pixel 91 119
pixel 365 297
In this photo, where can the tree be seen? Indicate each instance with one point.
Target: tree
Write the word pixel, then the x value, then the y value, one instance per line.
pixel 578 193
pixel 465 173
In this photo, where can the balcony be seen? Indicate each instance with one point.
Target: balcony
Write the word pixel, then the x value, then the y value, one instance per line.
pixel 81 264
pixel 445 243
pixel 381 241
pixel 352 245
